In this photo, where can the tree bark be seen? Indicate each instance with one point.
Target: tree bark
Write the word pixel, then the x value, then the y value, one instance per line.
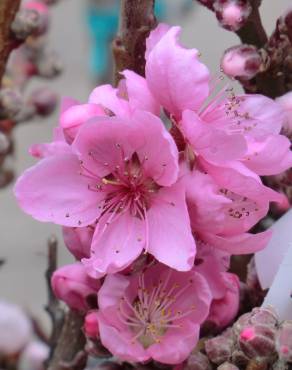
pixel 70 345
pixel 136 21
pixel 8 10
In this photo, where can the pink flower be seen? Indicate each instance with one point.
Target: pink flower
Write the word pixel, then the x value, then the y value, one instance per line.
pixel 72 285
pixel 225 309
pixel 78 240
pixel 155 315
pixel 120 175
pixel 15 329
pixel 224 205
pixel 286 103
pixel 217 125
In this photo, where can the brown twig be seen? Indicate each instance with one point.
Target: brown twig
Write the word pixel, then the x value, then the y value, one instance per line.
pixel 8 10
pixel 253 32
pixel 68 353
pixel 53 307
pixel 136 21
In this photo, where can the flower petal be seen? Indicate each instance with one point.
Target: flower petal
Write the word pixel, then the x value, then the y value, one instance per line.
pixel 175 76
pixel 54 191
pixel 170 237
pixel 212 144
pixel 115 244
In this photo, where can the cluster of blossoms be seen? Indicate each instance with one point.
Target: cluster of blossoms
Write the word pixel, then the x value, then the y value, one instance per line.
pixel 153 210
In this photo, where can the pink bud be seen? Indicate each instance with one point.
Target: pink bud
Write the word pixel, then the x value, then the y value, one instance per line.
pixel 284 341
pixel 219 349
pixel 72 285
pixel 224 310
pixel 34 355
pixel 257 341
pixel 91 325
pixel 15 329
pixel 232 14
pixel 42 10
pixel 242 62
pixel 78 241
pixel 198 361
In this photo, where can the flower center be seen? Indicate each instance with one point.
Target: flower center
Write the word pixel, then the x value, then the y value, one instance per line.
pixel 154 310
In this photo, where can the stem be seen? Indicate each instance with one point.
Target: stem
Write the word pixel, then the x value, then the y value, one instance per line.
pixel 68 353
pixel 136 21
pixel 8 10
pixel 253 32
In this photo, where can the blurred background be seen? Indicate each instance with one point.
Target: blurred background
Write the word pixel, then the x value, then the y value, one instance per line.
pixel 80 32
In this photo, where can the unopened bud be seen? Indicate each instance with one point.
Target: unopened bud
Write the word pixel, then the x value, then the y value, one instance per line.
pixel 11 103
pixel 284 341
pixel 72 285
pixel 34 356
pixel 219 349
pixel 232 14
pixel 241 62
pixel 78 241
pixel 227 366
pixel 26 23
pixel 258 316
pixel 257 341
pixel 44 101
pixel 198 361
pixel 91 325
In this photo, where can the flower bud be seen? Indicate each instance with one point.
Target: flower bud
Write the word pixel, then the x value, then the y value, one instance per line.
pixel 72 285
pixel 4 144
pixel 34 355
pixel 284 341
pixel 49 65
pixel 224 310
pixel 227 366
pixel 198 361
pixel 44 101
pixel 15 329
pixel 11 103
pixel 232 14
pixel 219 349
pixel 26 23
pixel 241 62
pixel 78 241
pixel 257 341
pixel 91 325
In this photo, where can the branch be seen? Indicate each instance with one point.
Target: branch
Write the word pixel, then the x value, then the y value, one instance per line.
pixel 136 21
pixel 69 354
pixel 53 307
pixel 253 32
pixel 8 10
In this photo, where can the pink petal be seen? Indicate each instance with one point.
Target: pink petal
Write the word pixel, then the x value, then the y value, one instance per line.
pixel 104 143
pixel 107 97
pixel 115 244
pixel 156 150
pixel 176 344
pixel 270 156
pixel 75 116
pixel 240 180
pixel 170 237
pixel 138 93
pixel 120 343
pixel 49 149
pixel 78 240
pixel 175 76
pixel 155 36
pixel 214 145
pixel 68 102
pixel 54 191
pixel 239 244
pixel 112 290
